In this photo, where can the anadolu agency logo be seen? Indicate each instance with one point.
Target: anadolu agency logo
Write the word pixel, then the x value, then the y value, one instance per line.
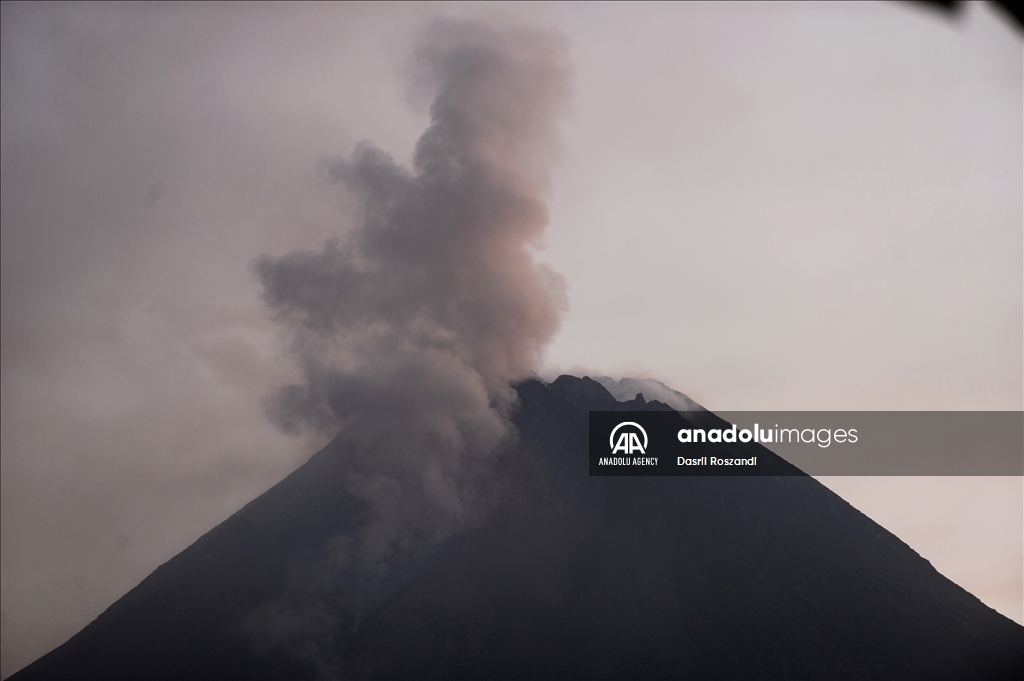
pixel 628 441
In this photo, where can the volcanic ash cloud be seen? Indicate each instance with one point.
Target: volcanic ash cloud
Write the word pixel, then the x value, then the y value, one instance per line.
pixel 411 328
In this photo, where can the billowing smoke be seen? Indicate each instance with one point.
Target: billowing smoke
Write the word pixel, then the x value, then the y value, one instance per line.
pixel 411 328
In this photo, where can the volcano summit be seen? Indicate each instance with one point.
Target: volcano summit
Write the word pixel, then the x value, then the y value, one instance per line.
pixel 564 576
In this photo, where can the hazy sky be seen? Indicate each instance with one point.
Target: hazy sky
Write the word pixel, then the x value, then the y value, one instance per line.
pixel 764 206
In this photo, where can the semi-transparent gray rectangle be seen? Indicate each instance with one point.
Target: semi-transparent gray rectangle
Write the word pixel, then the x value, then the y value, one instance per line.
pixel 885 442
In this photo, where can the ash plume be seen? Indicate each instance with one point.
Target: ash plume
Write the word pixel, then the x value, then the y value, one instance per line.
pixel 411 328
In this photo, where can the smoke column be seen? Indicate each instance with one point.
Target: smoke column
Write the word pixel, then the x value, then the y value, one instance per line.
pixel 411 329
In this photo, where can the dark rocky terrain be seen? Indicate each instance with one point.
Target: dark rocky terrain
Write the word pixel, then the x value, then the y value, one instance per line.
pixel 568 576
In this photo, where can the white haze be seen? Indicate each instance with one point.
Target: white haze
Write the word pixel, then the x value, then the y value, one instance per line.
pixel 775 206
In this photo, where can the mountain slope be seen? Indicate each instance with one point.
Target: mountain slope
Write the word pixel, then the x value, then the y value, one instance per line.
pixel 569 576
pixel 676 577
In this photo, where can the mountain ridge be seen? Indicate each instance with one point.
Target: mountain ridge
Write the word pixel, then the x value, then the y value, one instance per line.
pixel 567 576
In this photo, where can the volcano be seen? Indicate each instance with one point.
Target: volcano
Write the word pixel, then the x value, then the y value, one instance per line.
pixel 567 576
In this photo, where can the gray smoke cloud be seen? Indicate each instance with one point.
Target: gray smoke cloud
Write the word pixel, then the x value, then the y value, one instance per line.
pixel 433 304
pixel 412 326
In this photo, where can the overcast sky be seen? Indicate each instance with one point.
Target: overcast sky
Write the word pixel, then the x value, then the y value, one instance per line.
pixel 763 206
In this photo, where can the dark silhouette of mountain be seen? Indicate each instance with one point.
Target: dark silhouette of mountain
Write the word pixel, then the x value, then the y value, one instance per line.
pixel 569 576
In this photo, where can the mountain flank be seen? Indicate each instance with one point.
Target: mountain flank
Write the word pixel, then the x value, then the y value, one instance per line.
pixel 566 576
